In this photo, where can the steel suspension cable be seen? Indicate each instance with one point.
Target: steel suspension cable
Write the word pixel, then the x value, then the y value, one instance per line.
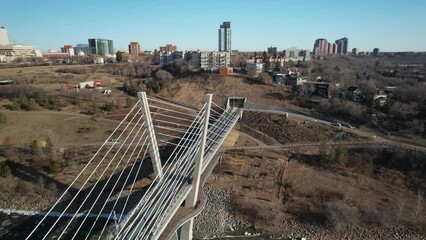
pixel 99 178
pixel 75 196
pixel 81 172
pixel 143 200
pixel 118 179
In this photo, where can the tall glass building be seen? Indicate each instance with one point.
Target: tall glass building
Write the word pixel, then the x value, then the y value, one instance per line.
pixel 225 37
pixel 101 46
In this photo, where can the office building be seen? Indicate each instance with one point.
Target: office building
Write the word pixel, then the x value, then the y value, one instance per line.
pixel 134 49
pixel 225 37
pixel 320 47
pixel 168 48
pixel 99 46
pixel 82 49
pixel 272 51
pixel 355 51
pixel 342 46
pixel 4 38
pixel 68 49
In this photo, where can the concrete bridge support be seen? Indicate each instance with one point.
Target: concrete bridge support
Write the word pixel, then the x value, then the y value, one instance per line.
pixel 191 199
pixel 153 147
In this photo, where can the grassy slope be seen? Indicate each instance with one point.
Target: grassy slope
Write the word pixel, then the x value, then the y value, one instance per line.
pixel 24 127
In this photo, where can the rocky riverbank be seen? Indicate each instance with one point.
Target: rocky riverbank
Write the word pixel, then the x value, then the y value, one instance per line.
pixel 218 220
pixel 218 215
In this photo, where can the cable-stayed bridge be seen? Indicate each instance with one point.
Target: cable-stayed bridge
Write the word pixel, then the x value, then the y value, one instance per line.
pixel 144 181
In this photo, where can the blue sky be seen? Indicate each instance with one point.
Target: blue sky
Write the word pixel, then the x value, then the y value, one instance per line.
pixel 391 25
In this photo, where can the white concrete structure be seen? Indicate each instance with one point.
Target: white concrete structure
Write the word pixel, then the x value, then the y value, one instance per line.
pixel 153 147
pixel 4 38
pixel 254 69
pixel 11 52
pixel 192 198
pixel 209 60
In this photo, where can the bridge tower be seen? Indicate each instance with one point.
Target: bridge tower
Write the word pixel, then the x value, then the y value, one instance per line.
pixel 153 147
pixel 191 199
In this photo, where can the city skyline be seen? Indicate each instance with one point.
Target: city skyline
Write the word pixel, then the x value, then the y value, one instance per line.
pixel 368 24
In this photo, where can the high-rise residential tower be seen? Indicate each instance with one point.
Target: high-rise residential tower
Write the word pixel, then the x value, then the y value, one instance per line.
pixel 4 38
pixel 225 37
pixel 342 46
pixel 168 48
pixel 134 49
pixel 320 47
pixel 272 51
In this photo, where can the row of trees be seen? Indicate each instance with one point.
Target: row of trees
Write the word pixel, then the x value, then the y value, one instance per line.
pixel 29 104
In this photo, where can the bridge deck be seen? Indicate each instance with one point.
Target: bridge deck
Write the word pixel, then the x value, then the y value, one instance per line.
pixel 184 214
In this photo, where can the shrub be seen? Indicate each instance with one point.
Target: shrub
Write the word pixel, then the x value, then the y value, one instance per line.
pixel 289 183
pixel 108 106
pixel 3 118
pixel 339 215
pixel 55 167
pixel 5 171
pixel 157 86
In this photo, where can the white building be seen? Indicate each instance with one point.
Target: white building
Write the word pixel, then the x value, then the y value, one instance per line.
pixel 215 60
pixel 254 69
pixel 4 38
pixel 11 52
pixel 294 54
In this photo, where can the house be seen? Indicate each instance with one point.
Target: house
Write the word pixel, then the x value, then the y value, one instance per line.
pixel 380 98
pixel 354 94
pixel 296 79
pixel 320 90
pixel 280 78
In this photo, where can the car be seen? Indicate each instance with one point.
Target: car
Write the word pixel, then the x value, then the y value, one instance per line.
pixel 336 124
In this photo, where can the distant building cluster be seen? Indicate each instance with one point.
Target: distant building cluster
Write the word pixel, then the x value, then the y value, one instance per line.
pixel 100 48
pixel 322 47
pixel 10 52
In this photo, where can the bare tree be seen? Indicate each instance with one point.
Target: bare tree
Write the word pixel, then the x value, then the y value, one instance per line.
pixel 419 200
pixel 164 75
pixel 403 110
pixel 265 78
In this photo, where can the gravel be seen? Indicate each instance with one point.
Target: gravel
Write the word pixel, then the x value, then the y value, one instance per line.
pixel 218 215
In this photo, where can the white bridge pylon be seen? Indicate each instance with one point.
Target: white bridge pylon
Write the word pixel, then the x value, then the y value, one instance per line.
pixel 114 197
